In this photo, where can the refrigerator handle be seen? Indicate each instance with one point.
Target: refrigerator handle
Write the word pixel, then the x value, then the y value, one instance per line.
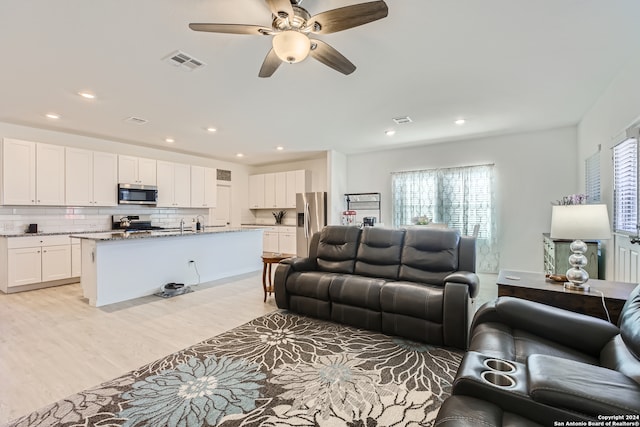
pixel 307 231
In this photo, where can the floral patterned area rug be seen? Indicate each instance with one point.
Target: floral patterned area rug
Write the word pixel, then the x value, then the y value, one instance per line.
pixel 280 369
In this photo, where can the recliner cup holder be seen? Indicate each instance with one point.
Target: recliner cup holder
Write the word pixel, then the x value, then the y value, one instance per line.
pixel 498 379
pixel 499 365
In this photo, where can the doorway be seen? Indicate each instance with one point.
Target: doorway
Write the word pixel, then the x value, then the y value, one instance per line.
pixel 222 215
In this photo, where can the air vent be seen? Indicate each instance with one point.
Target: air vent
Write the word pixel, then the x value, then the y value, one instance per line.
pixel 184 61
pixel 136 120
pixel 402 120
pixel 223 175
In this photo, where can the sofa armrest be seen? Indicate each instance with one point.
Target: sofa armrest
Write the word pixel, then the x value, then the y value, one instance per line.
pixel 466 277
pixel 579 331
pixel 300 264
pixel 580 387
pixel 456 315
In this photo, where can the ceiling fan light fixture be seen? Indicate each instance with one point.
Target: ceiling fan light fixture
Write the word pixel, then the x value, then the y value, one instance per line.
pixel 291 46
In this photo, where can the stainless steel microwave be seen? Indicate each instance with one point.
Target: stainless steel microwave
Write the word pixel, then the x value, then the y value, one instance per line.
pixel 135 194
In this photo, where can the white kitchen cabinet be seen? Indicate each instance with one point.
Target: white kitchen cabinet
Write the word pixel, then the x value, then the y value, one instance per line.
pixel 280 189
pixel 92 178
pixel 269 190
pixel 203 187
pixel 24 266
pixel 270 240
pixel 287 240
pixel 18 172
pixel 298 181
pixel 35 259
pixel 256 191
pixel 174 185
pixel 33 173
pixel 56 262
pixel 136 170
pixel 50 174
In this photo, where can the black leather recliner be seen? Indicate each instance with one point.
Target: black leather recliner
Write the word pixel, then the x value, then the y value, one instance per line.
pixel 417 283
pixel 567 366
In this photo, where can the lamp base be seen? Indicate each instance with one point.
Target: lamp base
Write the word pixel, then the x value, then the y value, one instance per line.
pixel 574 287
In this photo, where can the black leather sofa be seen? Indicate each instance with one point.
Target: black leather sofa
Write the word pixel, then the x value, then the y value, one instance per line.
pixel 418 283
pixel 566 367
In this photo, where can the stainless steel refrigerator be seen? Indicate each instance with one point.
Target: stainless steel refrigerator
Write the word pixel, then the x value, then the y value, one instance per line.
pixel 311 210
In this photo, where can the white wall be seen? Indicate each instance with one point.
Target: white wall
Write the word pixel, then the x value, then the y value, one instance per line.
pixel 337 184
pixel 532 170
pixel 239 173
pixel 605 123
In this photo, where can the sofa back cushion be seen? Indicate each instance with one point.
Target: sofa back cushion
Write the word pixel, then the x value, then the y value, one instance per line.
pixel 337 248
pixel 379 252
pixel 429 254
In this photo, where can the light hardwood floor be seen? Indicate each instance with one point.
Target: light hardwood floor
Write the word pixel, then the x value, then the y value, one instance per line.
pixel 53 344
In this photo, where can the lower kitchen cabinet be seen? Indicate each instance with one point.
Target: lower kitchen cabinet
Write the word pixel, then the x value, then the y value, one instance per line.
pixel 34 260
pixel 280 239
pixel 270 241
pixel 76 258
pixel 287 240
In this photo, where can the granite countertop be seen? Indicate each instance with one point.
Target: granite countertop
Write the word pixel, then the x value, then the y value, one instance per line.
pixel 135 235
pixel 53 233
pixel 267 225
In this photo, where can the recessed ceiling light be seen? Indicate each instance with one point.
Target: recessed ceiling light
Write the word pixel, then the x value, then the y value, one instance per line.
pixel 390 132
pixel 53 116
pixel 87 95
pixel 460 122
pixel 170 140
pixel 279 148
pixel 211 129
pixel 239 155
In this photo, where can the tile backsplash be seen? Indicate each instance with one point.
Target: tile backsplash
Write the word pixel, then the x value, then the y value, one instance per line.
pixel 53 219
pixel 265 216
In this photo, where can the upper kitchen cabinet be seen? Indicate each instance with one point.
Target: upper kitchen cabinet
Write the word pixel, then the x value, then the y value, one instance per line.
pixel 92 178
pixel 256 191
pixel 32 173
pixel 174 185
pixel 136 170
pixel 277 190
pixel 204 184
pixel 297 182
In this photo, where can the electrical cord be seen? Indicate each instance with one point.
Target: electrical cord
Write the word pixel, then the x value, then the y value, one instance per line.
pixel 604 305
pixel 195 266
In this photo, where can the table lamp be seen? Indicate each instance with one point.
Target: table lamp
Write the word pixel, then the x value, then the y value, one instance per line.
pixel 578 223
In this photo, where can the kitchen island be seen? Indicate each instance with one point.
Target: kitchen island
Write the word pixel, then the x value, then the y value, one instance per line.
pixel 119 266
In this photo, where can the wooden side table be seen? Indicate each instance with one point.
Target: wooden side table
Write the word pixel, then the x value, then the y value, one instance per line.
pixel 269 258
pixel 535 287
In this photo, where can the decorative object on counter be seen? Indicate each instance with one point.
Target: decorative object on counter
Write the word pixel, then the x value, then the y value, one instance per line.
pixel 579 222
pixel 421 220
pixel 273 366
pixel 32 228
pixel 278 216
pixel 348 217
pixel 572 199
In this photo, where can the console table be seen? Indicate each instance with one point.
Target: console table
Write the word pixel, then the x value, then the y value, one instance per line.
pixel 535 287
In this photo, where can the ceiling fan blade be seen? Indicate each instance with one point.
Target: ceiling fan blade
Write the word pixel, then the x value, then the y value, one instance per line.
pixel 232 29
pixel 347 17
pixel 281 7
pixel 331 57
pixel 270 64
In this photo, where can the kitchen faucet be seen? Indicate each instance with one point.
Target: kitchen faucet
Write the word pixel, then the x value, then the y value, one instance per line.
pixel 182 225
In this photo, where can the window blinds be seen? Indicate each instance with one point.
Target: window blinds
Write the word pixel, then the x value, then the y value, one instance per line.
pixel 592 178
pixel 625 186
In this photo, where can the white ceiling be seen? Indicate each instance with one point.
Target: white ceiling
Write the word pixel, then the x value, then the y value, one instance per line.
pixel 504 65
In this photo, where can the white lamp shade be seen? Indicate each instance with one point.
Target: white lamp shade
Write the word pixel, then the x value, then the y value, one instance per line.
pixel 584 222
pixel 291 46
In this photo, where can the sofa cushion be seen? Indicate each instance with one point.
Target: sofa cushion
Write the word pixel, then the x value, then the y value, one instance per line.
pixel 313 284
pixel 466 411
pixel 429 254
pixel 379 252
pixel 337 248
pixel 413 299
pixel 356 290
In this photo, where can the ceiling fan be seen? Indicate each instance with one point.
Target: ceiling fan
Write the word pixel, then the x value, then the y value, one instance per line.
pixel 291 27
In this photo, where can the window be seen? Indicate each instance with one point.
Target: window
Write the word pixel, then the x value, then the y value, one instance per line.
pixel 459 197
pixel 592 178
pixel 625 186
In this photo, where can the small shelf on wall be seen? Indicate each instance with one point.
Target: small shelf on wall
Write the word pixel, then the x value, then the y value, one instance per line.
pixel 365 205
